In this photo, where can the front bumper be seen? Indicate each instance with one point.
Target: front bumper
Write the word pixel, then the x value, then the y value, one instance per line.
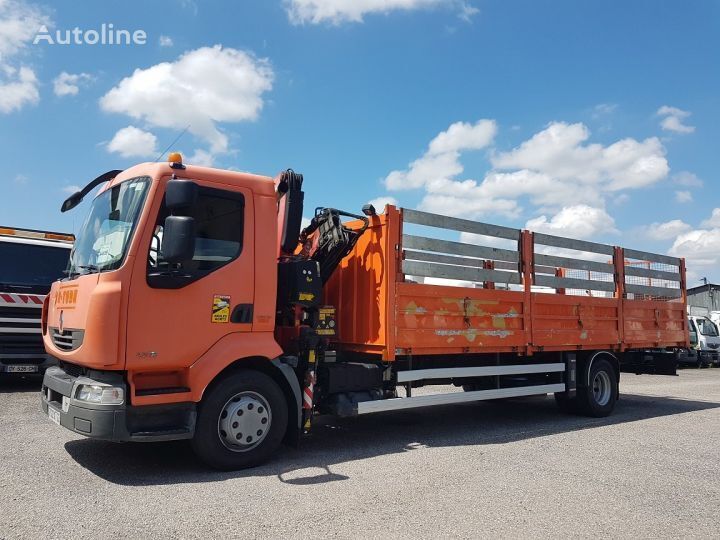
pixel 112 422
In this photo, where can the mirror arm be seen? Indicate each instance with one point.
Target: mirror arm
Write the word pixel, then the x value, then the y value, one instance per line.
pixel 76 198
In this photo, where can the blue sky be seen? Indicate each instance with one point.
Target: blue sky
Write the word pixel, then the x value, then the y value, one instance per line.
pixel 591 119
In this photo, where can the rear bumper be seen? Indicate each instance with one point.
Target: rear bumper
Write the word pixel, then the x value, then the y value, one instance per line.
pixel 112 422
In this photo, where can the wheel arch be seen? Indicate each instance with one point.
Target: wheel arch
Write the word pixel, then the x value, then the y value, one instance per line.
pixel 590 357
pixel 283 375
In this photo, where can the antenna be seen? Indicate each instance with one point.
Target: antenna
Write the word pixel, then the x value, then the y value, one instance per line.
pixel 704 280
pixel 172 143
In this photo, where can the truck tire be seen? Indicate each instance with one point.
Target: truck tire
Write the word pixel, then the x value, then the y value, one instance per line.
pixel 598 399
pixel 241 421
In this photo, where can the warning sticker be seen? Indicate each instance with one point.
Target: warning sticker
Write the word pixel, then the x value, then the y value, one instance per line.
pixel 220 309
pixel 326 321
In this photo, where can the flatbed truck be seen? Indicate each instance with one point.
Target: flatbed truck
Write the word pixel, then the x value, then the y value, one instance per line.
pixel 196 308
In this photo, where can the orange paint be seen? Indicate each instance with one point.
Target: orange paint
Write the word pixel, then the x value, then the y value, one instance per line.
pixel 382 314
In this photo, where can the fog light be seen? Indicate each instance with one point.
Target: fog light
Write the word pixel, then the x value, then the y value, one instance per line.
pixel 96 393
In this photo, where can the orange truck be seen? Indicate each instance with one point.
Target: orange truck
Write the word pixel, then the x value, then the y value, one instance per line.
pixel 196 308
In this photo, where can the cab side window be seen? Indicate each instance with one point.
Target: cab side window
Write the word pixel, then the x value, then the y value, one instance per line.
pixel 707 328
pixel 219 226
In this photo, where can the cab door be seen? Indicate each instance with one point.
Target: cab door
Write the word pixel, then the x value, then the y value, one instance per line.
pixel 177 312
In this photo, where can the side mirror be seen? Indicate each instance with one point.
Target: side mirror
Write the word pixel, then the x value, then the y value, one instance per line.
pixel 178 243
pixel 180 194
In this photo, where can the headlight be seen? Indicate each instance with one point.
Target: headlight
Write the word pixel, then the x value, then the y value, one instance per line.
pixel 96 393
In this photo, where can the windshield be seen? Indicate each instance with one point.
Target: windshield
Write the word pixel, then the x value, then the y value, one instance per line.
pixel 707 327
pixel 105 235
pixel 31 268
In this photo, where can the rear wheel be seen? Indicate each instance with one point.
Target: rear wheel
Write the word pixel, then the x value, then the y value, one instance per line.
pixel 598 399
pixel 241 421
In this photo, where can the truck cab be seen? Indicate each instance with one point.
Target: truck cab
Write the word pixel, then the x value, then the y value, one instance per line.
pixel 30 261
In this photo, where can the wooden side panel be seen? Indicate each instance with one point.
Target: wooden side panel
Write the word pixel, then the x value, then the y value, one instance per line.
pixel 434 319
pixel 654 323
pixel 574 321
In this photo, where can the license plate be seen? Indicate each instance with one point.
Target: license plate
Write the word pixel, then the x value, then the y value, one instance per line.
pixel 54 415
pixel 22 369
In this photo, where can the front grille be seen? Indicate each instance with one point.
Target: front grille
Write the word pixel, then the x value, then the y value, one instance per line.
pixel 16 343
pixel 19 326
pixel 67 340
pixel 20 312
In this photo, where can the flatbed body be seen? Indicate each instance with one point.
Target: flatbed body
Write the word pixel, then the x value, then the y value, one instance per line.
pixel 386 310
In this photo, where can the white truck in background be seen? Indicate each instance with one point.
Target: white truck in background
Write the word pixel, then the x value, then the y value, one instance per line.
pixel 704 337
pixel 29 262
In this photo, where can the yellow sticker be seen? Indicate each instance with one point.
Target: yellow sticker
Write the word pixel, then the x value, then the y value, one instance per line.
pixel 221 309
pixel 306 297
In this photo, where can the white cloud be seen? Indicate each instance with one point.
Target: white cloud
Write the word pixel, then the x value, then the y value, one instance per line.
pixel 201 157
pixel 713 221
pixel 165 41
pixel 18 87
pixel 667 230
pixel 622 198
pixel 673 119
pixel 553 169
pixel 71 189
pixel 603 109
pixel 441 160
pixel 18 23
pixel 340 11
pixel 132 142
pixel 701 248
pixel 201 88
pixel 559 152
pixel 686 178
pixel 683 197
pixel 68 84
pixel 579 221
pixel 380 202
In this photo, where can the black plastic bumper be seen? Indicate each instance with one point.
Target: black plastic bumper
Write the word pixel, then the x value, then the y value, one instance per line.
pixel 112 422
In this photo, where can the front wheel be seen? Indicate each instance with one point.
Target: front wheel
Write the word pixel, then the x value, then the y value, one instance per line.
pixel 241 421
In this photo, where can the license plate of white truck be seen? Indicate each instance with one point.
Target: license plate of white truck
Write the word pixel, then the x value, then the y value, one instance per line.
pixel 54 415
pixel 22 369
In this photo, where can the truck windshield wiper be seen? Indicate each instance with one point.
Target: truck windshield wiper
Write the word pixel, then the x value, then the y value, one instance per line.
pixel 88 269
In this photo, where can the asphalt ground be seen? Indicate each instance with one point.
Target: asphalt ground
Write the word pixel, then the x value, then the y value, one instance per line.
pixel 512 468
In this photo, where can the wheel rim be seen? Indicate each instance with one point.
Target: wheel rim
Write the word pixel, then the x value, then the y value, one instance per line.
pixel 602 388
pixel 244 421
